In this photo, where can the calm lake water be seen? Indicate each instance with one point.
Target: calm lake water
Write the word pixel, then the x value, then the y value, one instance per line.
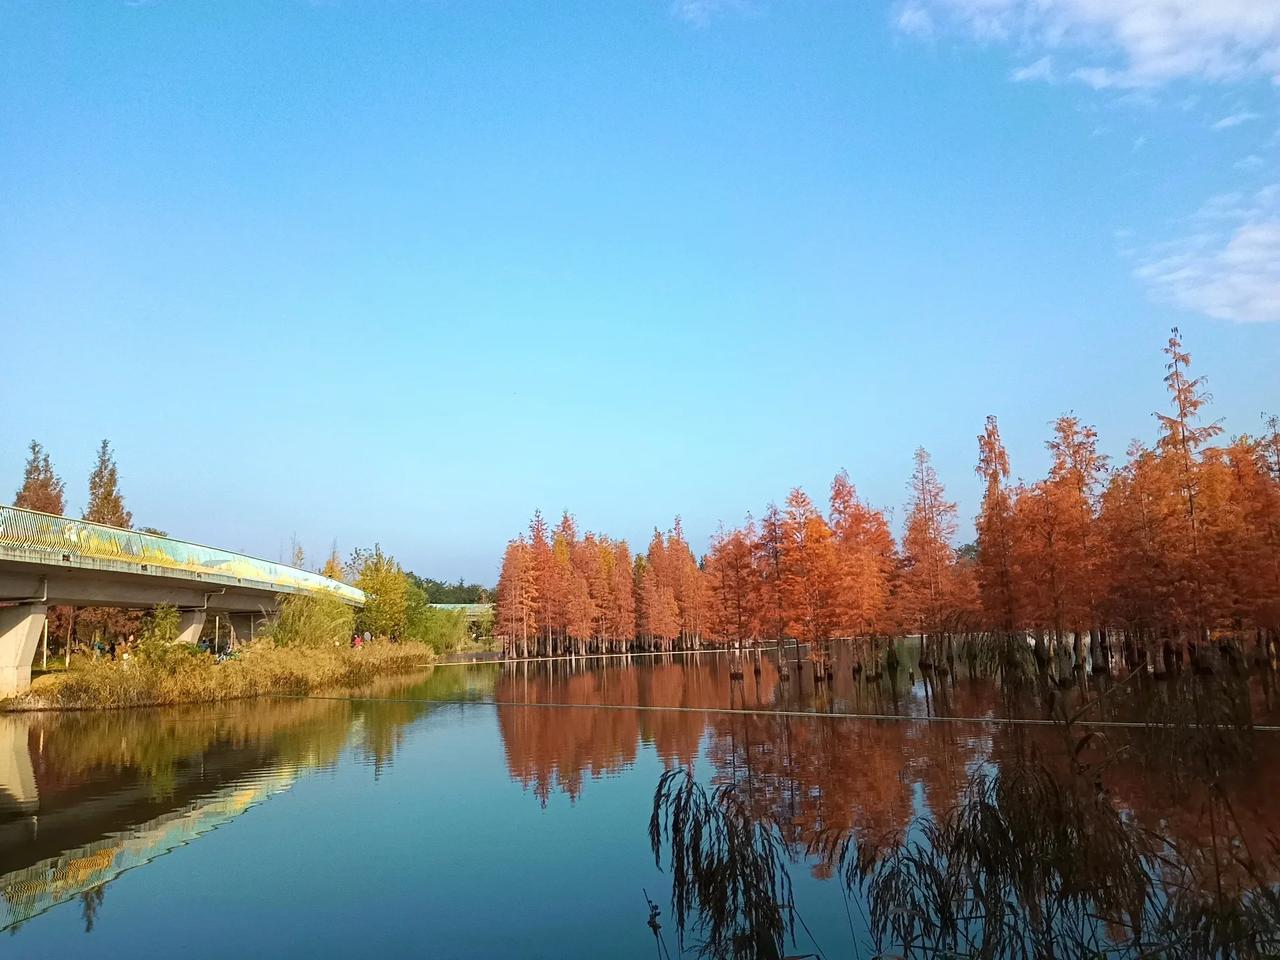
pixel 486 810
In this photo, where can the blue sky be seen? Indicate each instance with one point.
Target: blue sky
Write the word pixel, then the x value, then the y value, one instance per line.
pixel 404 271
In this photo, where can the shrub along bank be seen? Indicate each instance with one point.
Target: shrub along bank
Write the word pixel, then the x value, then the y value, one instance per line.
pixel 306 649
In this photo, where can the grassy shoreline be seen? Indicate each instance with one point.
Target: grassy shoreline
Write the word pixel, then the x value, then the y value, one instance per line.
pixel 261 669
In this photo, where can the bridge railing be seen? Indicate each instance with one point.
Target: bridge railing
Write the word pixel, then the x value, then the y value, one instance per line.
pixel 62 541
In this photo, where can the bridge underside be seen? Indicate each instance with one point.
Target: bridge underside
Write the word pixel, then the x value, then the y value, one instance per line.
pixel 95 587
pixel 28 590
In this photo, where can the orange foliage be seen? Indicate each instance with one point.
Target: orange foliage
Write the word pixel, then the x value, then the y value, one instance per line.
pixel 1177 546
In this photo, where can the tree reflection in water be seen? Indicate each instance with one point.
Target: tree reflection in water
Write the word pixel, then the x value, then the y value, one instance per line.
pixel 965 840
pixel 1030 846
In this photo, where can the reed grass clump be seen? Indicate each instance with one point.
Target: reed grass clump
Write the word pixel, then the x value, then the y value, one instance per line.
pixel 306 649
pixel 261 669
pixel 312 621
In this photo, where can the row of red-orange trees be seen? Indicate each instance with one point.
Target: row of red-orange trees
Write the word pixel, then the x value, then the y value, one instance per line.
pixel 1179 542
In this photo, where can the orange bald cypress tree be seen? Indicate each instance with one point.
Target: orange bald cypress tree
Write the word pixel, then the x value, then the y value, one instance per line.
pixel 517 602
pixel 620 612
pixel 41 489
pixel 688 586
pixel 767 558
pixel 810 570
pixel 866 558
pixel 571 597
pixel 996 533
pixel 546 585
pixel 1074 484
pixel 1181 438
pixel 106 503
pixel 1136 550
pixel 1258 479
pixel 731 579
pixel 657 613
pixel 928 555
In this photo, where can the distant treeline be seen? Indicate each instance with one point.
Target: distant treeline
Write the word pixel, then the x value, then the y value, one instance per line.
pixel 438 591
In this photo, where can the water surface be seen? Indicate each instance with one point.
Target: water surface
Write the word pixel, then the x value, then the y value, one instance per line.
pixel 490 809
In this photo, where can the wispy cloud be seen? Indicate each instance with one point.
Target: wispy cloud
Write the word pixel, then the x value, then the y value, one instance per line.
pixel 1042 69
pixel 1225 260
pixel 1235 119
pixel 1227 264
pixel 1100 78
pixel 702 12
pixel 914 19
pixel 1122 43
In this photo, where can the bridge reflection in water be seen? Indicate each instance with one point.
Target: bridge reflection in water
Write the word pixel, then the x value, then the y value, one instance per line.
pixel 29 891
pixel 85 797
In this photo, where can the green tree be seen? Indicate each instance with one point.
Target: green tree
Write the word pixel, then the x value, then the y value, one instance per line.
pixel 386 589
pixel 444 630
pixel 42 489
pixel 106 505
pixel 161 627
pixel 157 640
pixel 438 591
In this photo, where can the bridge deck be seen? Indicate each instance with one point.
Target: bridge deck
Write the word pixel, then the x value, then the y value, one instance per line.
pixel 39 543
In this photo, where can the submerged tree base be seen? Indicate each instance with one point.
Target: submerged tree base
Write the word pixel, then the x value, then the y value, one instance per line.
pixel 260 669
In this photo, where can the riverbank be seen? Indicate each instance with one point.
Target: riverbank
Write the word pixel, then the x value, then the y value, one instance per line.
pixel 260 669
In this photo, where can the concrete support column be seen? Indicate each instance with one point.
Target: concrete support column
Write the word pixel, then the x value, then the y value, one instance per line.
pixel 238 628
pixel 190 623
pixel 20 629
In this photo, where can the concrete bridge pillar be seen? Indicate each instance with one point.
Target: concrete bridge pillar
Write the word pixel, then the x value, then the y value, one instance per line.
pixel 20 629
pixel 190 623
pixel 243 627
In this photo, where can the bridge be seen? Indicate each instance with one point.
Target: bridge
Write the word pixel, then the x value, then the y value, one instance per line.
pixel 55 561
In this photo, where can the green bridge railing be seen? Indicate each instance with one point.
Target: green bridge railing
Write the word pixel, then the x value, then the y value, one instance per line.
pixel 26 535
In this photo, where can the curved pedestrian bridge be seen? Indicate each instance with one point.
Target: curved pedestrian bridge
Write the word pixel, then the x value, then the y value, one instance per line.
pixel 47 560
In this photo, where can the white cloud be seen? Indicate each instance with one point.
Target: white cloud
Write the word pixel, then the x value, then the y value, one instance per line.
pixel 1042 69
pixel 702 12
pixel 1100 78
pixel 915 20
pixel 1235 119
pixel 1125 43
pixel 1228 265
pixel 1145 53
